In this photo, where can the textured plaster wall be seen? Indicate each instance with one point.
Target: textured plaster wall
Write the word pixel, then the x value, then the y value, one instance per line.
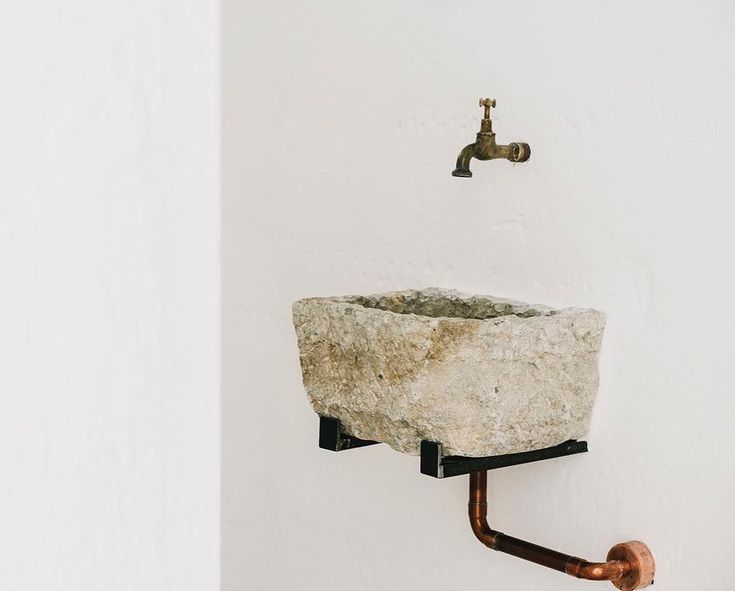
pixel 342 122
pixel 109 385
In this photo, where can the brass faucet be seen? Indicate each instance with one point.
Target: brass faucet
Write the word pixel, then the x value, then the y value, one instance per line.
pixel 485 147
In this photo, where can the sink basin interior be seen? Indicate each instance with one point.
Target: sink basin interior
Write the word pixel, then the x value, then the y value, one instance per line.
pixel 435 304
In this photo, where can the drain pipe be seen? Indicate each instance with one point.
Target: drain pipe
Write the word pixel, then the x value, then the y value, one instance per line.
pixel 629 565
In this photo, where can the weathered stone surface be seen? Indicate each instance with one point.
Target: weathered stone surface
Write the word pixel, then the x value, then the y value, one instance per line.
pixel 479 374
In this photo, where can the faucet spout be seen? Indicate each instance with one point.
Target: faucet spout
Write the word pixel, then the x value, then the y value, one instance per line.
pixel 463 162
pixel 485 148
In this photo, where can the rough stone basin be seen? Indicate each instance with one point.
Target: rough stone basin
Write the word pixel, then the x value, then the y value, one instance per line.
pixel 481 375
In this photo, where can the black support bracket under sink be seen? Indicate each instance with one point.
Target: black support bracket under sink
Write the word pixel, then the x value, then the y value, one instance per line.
pixel 433 463
pixel 333 438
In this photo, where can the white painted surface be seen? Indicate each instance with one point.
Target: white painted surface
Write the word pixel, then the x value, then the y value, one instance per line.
pixel 342 123
pixel 109 211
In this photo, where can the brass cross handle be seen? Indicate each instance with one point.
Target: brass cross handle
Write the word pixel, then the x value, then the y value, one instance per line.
pixel 488 104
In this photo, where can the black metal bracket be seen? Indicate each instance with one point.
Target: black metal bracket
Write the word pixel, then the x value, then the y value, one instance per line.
pixel 333 438
pixel 433 463
pixel 438 466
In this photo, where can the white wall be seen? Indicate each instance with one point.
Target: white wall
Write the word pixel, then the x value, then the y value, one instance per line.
pixel 342 122
pixel 109 296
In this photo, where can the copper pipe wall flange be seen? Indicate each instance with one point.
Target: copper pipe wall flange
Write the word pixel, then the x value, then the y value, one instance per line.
pixel 642 565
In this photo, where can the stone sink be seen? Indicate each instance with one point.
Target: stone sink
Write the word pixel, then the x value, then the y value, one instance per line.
pixel 479 374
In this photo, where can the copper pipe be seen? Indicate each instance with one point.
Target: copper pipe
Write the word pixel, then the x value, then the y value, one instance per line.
pixel 634 573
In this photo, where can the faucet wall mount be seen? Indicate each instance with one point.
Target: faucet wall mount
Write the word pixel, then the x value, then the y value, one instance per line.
pixel 485 147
